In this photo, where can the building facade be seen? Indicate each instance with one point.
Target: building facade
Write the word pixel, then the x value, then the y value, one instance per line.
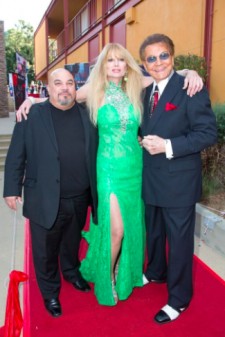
pixel 76 31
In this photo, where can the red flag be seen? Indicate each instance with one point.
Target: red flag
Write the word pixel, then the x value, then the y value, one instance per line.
pixel 13 314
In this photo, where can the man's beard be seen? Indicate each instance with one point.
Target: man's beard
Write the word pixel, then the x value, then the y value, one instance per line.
pixel 64 101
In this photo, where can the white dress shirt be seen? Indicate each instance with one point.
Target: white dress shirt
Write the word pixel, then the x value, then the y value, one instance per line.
pixel 161 86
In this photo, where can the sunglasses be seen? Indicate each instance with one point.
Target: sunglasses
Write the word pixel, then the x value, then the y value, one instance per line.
pixel 163 57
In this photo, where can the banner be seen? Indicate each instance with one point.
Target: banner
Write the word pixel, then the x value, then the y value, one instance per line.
pixel 21 68
pixel 11 91
pixel 21 65
pixel 80 72
pixel 19 84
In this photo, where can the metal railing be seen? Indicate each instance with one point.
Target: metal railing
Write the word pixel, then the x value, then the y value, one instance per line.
pixel 110 5
pixel 85 19
pixel 56 46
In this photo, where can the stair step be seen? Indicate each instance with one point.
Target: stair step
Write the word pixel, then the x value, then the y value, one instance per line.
pixel 2 160
pixel 5 137
pixel 4 143
pixel 3 149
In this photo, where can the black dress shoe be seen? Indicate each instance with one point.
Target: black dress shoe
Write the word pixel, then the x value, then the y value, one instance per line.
pixel 81 284
pixel 53 306
pixel 168 314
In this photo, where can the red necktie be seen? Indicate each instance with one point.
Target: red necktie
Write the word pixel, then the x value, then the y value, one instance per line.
pixel 154 100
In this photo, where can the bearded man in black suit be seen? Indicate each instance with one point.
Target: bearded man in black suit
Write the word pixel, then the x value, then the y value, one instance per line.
pixel 52 158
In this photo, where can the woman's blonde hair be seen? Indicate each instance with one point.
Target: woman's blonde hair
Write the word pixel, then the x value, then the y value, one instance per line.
pixel 132 84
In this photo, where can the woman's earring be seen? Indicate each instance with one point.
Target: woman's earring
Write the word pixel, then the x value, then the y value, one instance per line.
pixel 125 78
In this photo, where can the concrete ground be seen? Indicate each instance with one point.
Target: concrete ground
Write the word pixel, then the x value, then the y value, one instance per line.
pixel 12 238
pixel 7 124
pixel 11 232
pixel 12 247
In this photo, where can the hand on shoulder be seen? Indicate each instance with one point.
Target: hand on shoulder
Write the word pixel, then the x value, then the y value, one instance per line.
pixel 193 83
pixel 24 108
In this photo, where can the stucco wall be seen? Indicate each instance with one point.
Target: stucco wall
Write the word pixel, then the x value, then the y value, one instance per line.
pixel 40 46
pixel 183 21
pixel 79 55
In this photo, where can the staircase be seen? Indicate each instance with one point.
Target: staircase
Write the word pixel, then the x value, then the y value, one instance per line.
pixel 4 145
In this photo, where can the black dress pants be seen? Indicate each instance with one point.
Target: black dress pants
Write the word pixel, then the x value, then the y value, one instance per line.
pixel 176 227
pixel 58 247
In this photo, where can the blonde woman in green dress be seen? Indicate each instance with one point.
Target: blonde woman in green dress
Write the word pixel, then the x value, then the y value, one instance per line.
pixel 114 101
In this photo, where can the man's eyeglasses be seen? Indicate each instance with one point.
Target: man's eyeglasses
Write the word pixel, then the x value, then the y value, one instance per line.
pixel 163 57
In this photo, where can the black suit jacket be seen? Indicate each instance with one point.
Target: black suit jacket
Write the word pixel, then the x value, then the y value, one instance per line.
pixel 191 126
pixel 33 163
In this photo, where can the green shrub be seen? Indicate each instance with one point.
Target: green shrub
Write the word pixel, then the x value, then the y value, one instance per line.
pixel 210 186
pixel 192 62
pixel 213 158
pixel 219 110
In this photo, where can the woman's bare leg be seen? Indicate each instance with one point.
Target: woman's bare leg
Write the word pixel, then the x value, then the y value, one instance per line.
pixel 117 231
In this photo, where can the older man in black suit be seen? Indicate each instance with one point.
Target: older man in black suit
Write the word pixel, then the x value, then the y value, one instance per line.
pixel 175 129
pixel 52 156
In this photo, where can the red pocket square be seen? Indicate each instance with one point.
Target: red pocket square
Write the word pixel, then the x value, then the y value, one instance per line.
pixel 170 106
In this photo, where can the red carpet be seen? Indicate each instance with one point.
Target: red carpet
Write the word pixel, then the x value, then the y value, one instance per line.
pixel 84 317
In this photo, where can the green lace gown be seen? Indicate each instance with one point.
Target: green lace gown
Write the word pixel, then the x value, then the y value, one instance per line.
pixel 119 171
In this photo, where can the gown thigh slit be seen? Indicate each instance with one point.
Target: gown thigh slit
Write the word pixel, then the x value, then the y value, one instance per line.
pixel 117 231
pixel 119 173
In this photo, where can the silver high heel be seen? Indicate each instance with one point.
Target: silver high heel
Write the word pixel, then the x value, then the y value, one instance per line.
pixel 115 296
